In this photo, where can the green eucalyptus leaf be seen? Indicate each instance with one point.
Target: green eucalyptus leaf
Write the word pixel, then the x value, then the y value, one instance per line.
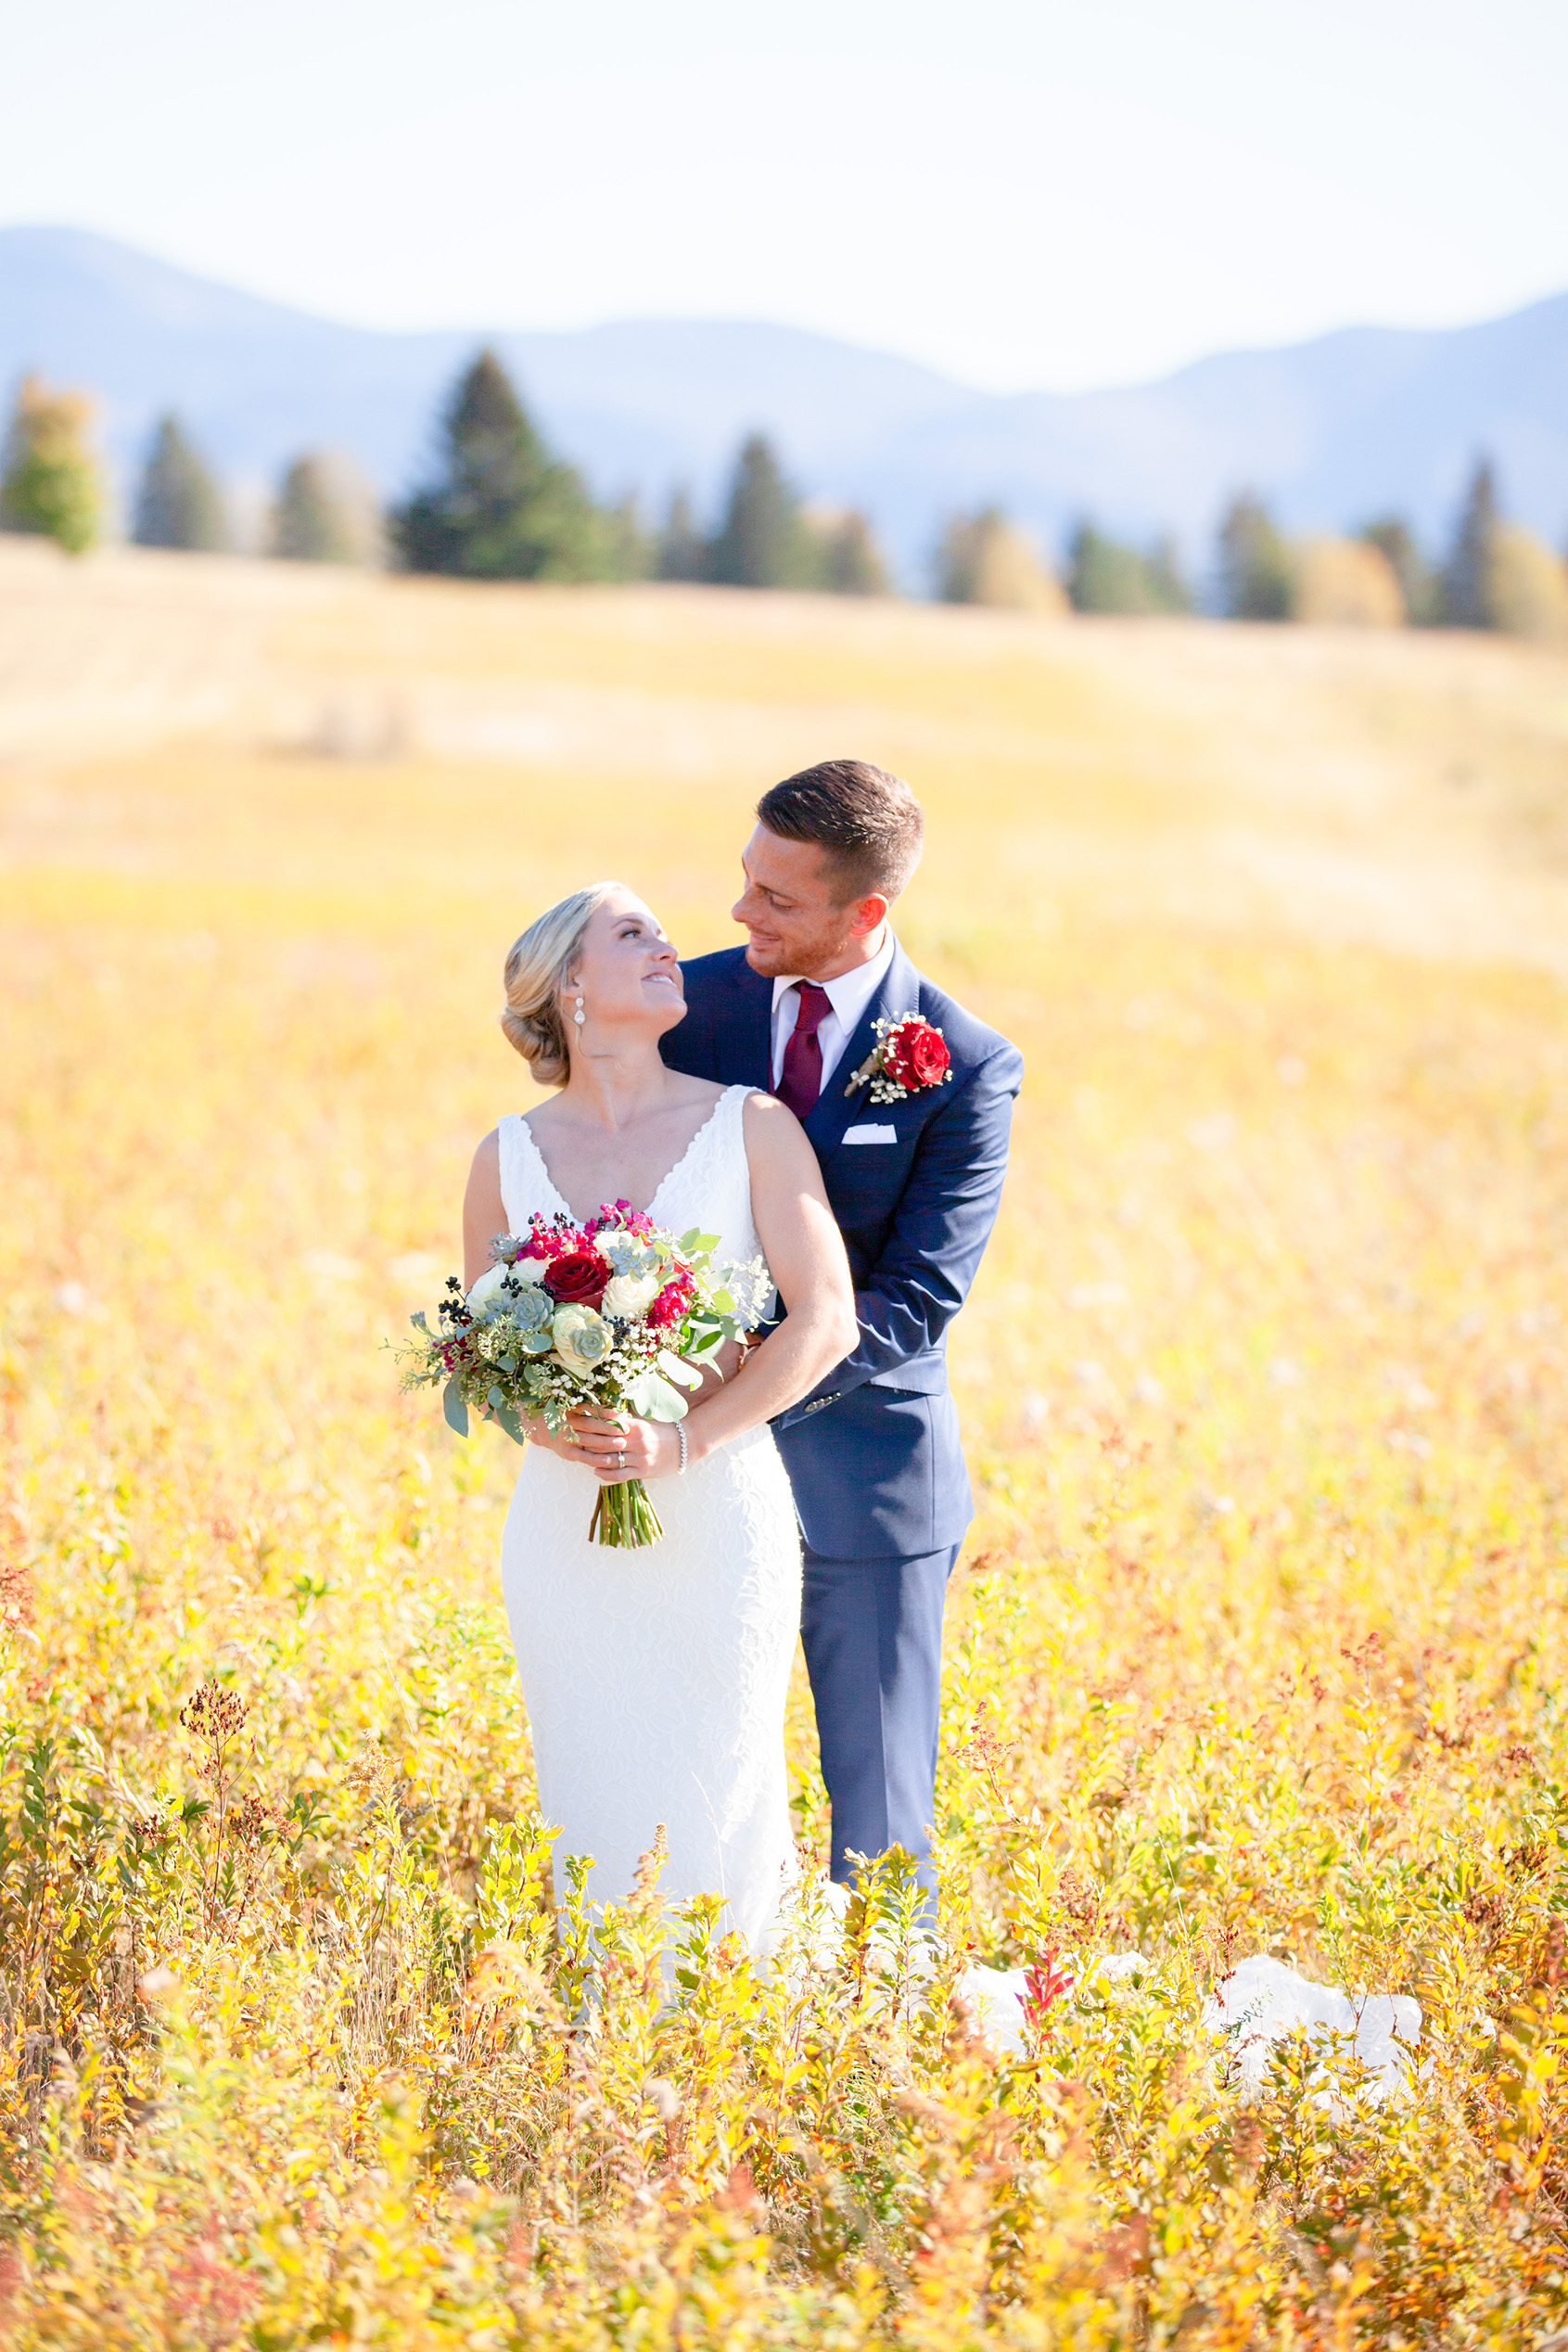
pixel 652 1398
pixel 455 1410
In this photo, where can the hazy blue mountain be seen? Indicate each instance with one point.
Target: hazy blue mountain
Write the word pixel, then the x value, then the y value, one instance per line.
pixel 1334 431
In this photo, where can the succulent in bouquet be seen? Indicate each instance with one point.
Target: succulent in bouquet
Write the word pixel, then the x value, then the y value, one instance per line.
pixel 611 1318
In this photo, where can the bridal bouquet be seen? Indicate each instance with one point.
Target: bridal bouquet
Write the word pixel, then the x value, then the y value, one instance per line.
pixel 614 1316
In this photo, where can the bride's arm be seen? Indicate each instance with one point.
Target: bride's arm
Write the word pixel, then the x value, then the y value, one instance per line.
pixel 805 1251
pixel 484 1216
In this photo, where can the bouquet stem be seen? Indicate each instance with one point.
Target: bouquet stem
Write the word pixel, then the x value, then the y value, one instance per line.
pixel 624 1518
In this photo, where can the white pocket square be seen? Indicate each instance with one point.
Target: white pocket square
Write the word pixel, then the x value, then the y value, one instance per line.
pixel 871 1134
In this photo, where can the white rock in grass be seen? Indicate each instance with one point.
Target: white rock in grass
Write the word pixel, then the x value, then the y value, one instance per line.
pixel 997 1997
pixel 1262 2000
pixel 1256 2006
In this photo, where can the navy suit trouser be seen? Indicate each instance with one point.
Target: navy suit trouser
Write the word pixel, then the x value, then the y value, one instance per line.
pixel 872 1630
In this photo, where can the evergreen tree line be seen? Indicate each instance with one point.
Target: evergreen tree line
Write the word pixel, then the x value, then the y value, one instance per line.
pixel 1492 575
pixel 498 504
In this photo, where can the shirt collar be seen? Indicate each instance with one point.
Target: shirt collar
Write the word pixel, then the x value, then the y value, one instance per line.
pixel 851 991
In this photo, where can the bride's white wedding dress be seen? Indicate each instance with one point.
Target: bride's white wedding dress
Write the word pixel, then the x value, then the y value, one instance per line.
pixel 656 1680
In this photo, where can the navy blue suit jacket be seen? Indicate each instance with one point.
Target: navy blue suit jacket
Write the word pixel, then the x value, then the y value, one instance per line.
pixel 874 1453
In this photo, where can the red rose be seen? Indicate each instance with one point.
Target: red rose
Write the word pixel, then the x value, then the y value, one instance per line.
pixel 915 1055
pixel 929 1057
pixel 579 1279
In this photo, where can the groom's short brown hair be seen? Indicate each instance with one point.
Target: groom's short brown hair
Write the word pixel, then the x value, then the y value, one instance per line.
pixel 868 822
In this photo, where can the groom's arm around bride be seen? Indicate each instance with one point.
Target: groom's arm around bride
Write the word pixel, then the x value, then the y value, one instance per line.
pixel 913 1159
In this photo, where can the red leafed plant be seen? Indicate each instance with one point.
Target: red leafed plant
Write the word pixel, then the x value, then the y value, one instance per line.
pixel 1045 1982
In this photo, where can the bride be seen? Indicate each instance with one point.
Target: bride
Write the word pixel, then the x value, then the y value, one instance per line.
pixel 655 1680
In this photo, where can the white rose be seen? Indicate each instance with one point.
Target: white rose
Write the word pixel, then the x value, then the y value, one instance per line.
pixel 582 1339
pixel 528 1269
pixel 627 1298
pixel 483 1299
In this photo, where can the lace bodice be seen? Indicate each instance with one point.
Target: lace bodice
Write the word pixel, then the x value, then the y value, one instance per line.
pixel 709 1186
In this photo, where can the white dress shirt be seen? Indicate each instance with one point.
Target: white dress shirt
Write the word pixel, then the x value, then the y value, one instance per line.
pixel 847 998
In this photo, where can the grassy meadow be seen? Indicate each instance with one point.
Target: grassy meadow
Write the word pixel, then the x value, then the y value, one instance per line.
pixel 1259 1644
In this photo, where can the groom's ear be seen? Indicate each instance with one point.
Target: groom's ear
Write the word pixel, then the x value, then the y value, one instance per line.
pixel 867 914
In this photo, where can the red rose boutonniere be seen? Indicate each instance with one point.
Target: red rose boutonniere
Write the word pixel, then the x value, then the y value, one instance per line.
pixel 909 1056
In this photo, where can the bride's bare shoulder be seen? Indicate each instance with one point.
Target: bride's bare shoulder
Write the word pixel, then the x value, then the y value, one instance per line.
pixel 770 1125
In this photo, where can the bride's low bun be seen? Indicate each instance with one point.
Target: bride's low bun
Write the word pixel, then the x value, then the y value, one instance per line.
pixel 537 968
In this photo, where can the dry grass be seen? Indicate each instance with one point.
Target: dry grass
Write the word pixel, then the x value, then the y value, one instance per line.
pixel 1261 1642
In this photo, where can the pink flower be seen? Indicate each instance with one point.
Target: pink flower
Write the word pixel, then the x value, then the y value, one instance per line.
pixel 557 1240
pixel 670 1304
pixel 619 1216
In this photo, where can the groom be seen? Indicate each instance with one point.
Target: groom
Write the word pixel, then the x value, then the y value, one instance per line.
pixel 874 1453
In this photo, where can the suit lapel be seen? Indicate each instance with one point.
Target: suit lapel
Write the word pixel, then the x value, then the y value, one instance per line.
pixel 834 1110
pixel 747 1046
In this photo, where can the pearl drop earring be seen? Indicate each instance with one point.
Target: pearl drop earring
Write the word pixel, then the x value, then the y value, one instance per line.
pixel 579 1016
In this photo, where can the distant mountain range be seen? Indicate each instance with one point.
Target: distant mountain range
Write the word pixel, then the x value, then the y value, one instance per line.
pixel 1333 431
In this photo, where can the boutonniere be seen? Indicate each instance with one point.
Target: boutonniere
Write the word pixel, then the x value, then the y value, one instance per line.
pixel 909 1056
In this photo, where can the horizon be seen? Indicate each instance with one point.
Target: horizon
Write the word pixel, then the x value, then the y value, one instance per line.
pixel 479 331
pixel 1031 200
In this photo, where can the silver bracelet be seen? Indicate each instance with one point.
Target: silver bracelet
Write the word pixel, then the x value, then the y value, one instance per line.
pixel 681 1435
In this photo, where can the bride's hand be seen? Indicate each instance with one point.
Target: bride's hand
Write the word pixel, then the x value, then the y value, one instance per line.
pixel 637 1450
pixel 613 1450
pixel 584 1440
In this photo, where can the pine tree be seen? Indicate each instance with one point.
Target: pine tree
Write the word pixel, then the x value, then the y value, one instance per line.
pixel 49 484
pixel 313 521
pixel 1468 595
pixel 1254 563
pixel 762 542
pixel 1166 578
pixel 1105 576
pixel 501 509
pixel 681 553
pixel 631 550
pixel 849 562
pixel 178 504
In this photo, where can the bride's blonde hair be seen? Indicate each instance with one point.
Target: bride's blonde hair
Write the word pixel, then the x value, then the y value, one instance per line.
pixel 537 965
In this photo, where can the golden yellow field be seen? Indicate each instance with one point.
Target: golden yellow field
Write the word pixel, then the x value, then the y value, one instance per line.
pixel 1260 1642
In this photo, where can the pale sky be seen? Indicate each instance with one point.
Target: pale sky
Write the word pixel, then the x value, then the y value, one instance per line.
pixel 1052 194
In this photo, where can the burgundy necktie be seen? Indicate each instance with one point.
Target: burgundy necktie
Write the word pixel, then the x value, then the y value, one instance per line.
pixel 802 1078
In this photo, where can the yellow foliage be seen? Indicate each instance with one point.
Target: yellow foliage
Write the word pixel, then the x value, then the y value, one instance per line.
pixel 991 561
pixel 1529 586
pixel 1258 1644
pixel 50 481
pixel 1345 583
pixel 1010 575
